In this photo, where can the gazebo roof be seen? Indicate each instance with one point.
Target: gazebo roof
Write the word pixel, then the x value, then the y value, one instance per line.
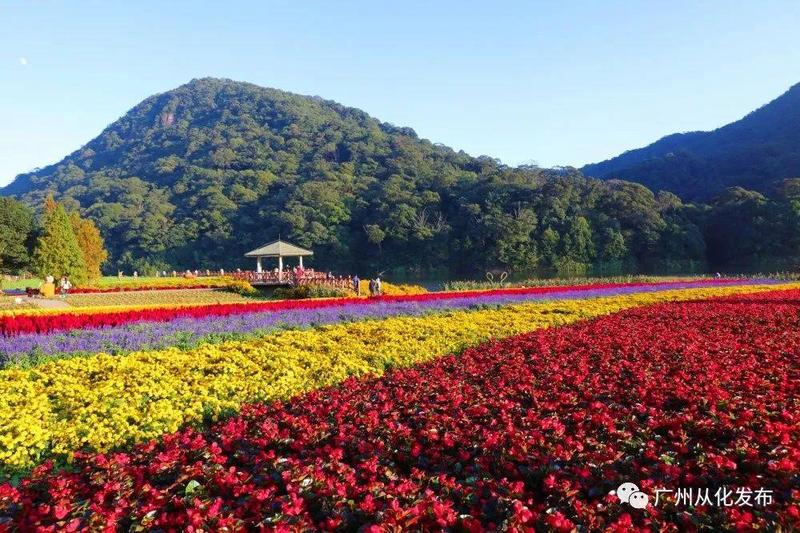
pixel 278 248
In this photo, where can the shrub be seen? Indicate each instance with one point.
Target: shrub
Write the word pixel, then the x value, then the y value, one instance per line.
pixel 242 287
pixel 309 291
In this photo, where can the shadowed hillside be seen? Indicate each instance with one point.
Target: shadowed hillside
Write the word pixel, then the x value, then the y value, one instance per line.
pixel 755 153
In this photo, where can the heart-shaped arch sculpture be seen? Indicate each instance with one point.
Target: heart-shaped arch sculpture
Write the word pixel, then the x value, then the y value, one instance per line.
pixel 503 276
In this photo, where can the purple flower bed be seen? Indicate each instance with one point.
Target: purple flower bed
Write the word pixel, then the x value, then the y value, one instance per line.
pixel 187 332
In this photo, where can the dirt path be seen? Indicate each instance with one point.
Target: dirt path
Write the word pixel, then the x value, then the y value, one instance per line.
pixel 48 303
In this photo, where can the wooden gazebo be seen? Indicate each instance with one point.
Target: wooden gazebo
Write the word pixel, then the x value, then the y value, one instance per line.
pixel 278 249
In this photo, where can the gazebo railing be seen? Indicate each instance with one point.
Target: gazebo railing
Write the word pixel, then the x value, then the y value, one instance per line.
pixel 308 277
pixel 256 277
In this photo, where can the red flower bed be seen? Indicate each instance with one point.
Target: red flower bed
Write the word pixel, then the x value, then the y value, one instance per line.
pixel 528 433
pixel 20 324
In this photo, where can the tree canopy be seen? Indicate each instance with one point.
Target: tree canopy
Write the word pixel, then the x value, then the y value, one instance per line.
pixel 91 244
pixel 57 252
pixel 16 229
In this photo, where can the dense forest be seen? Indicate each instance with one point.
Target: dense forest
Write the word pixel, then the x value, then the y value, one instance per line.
pixel 197 176
pixel 757 152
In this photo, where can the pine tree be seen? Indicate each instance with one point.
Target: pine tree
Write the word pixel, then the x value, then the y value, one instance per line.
pixel 91 244
pixel 57 252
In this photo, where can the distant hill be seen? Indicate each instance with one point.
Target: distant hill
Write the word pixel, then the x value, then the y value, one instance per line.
pixel 755 153
pixel 197 176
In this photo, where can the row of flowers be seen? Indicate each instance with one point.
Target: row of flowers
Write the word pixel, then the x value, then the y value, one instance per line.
pixel 33 348
pixel 167 284
pixel 102 402
pixel 163 284
pixel 146 284
pixel 530 433
pixel 171 298
pixel 80 318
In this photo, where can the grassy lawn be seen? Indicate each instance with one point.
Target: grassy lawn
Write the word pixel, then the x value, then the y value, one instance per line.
pixel 20 284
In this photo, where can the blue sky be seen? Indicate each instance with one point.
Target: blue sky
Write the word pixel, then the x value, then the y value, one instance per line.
pixel 558 83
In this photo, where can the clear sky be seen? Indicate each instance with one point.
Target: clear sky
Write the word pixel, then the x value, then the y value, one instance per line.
pixel 557 83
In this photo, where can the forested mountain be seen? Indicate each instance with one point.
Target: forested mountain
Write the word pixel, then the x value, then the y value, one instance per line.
pixel 756 152
pixel 195 177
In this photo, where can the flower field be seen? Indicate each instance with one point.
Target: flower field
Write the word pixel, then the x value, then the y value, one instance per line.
pixel 346 412
pixel 113 284
pixel 146 328
pixel 133 298
pixel 9 303
pixel 42 320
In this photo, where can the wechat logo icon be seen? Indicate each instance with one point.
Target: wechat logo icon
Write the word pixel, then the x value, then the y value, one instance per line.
pixel 629 493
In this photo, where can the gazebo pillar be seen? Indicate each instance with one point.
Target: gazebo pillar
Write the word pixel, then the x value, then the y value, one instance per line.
pixel 258 264
pixel 301 261
pixel 280 268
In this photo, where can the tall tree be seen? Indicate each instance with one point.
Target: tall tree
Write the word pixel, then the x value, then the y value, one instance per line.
pixel 57 251
pixel 91 244
pixel 16 229
pixel 614 245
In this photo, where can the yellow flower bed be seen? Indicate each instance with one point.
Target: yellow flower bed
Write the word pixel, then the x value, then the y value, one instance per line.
pixel 101 402
pixel 390 289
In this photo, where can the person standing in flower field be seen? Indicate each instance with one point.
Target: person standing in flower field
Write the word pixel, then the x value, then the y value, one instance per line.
pixel 64 286
pixel 357 285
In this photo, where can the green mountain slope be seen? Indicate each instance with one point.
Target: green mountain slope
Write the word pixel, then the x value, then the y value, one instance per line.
pixel 195 177
pixel 755 152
